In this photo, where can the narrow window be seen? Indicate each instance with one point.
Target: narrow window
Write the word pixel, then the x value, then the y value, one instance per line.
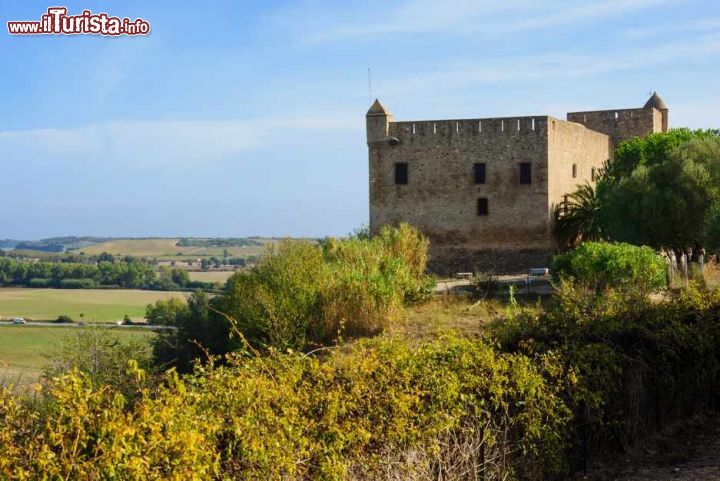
pixel 593 174
pixel 401 173
pixel 525 173
pixel 574 171
pixel 482 206
pixel 479 170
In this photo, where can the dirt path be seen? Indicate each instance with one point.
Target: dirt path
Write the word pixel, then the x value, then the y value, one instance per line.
pixel 687 452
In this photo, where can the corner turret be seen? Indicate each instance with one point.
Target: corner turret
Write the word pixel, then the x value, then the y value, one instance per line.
pixel 656 102
pixel 377 121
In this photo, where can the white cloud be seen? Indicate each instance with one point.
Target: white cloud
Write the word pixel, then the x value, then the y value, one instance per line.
pixel 697 25
pixel 552 66
pixel 160 142
pixel 473 16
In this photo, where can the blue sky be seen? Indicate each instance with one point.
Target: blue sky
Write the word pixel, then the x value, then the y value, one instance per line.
pixel 247 118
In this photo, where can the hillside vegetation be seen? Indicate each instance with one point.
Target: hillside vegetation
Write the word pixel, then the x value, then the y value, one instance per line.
pixel 275 391
pixel 162 247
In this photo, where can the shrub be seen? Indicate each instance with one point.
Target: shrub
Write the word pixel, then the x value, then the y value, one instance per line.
pixel 603 265
pixel 485 284
pixel 40 282
pixel 637 364
pixel 301 295
pixel 276 301
pixel 100 356
pixel 378 409
pixel 590 371
pixel 383 406
pixel 166 312
pixel 86 431
pixel 63 319
pixel 78 283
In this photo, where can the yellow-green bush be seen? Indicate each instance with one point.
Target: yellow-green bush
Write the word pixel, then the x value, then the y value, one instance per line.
pixel 302 295
pixel 289 416
pixel 603 265
pixel 88 432
pixel 589 371
pixel 364 411
pixel 638 363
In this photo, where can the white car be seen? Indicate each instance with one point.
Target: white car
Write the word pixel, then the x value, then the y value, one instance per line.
pixel 18 320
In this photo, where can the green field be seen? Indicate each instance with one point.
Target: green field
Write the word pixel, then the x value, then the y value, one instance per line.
pixel 166 249
pixel 97 305
pixel 24 349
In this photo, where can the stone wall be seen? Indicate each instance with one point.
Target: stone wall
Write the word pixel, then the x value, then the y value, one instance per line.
pixel 441 195
pixel 450 261
pixel 620 124
pixel 569 145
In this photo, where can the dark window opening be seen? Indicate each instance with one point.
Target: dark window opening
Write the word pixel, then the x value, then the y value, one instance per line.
pixel 482 206
pixel 401 173
pixel 479 170
pixel 593 174
pixel 574 171
pixel 525 173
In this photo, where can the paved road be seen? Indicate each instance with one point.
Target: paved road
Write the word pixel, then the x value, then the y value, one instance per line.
pixel 106 325
pixel 537 286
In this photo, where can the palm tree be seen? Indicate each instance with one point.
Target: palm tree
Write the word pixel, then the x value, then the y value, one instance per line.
pixel 576 218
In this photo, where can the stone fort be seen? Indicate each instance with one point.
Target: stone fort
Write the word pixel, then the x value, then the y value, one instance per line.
pixel 484 190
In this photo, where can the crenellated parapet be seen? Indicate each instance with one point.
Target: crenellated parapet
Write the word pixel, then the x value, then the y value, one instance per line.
pixel 484 190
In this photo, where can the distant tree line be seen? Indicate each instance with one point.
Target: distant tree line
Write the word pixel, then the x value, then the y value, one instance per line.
pixel 128 273
pixel 206 264
pixel 218 242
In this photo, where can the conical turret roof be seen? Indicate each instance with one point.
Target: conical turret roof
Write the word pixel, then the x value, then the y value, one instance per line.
pixel 377 109
pixel 656 102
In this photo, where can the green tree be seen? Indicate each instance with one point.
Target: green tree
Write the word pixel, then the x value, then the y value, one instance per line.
pixel 576 218
pixel 106 257
pixel 664 204
pixel 167 312
pixel 180 277
pixel 648 151
pixel 712 229
pixel 199 331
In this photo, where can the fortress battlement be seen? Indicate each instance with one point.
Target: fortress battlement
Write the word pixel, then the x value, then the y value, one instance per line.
pixel 484 189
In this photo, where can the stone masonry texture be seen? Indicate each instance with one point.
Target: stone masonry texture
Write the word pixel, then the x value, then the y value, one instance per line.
pixel 441 195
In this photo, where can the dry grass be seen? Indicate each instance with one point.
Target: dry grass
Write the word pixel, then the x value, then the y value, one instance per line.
pixel 210 276
pixel 166 248
pixel 447 313
pixel 711 273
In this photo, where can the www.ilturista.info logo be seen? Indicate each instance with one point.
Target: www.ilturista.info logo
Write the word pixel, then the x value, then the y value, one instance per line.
pixel 57 22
